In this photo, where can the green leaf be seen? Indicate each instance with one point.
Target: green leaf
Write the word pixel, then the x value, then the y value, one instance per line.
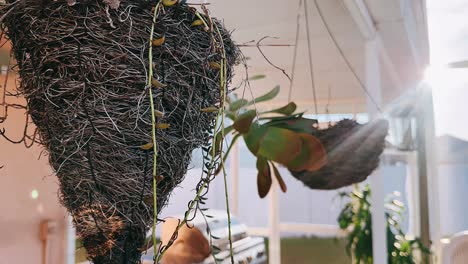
pixel 238 104
pixel 230 115
pixel 244 121
pixel 264 177
pixel 280 180
pixel 312 157
pixel 257 77
pixel 458 64
pixel 284 118
pixel 300 124
pixel 287 110
pixel 219 138
pixel 280 145
pixel 253 137
pixel 267 97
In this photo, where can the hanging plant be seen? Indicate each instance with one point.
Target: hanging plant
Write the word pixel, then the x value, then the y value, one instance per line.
pixel 277 136
pixel 344 154
pixel 353 152
pixel 356 218
pixel 121 93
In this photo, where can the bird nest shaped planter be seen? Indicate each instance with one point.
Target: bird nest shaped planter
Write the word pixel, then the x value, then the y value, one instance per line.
pixel 353 153
pixel 83 69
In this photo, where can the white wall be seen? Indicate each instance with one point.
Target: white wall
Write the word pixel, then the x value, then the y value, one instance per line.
pixel 20 214
pixel 298 205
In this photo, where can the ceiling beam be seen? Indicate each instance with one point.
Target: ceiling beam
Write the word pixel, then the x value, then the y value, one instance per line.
pixel 361 16
pixel 409 21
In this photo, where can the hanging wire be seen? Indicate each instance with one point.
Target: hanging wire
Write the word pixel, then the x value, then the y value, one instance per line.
pixel 327 107
pixel 348 64
pixel 296 47
pixel 311 65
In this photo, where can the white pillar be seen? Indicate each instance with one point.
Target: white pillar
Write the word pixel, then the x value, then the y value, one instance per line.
pixel 374 86
pixel 234 175
pixel 412 192
pixel 274 225
pixel 427 150
pixel 70 239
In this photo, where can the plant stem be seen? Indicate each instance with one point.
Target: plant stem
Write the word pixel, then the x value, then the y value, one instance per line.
pixel 153 129
pixel 223 77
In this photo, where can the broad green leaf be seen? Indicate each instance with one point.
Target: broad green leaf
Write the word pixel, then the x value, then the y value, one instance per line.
pixel 458 64
pixel 267 97
pixel 280 145
pixel 228 130
pixel 285 110
pixel 279 119
pixel 280 180
pixel 244 121
pixel 253 137
pixel 299 125
pixel 230 115
pixel 219 138
pixel 257 77
pixel 263 177
pixel 238 104
pixel 312 157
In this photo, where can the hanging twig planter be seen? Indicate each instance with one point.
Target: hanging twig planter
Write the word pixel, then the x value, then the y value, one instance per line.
pixel 353 153
pixel 84 72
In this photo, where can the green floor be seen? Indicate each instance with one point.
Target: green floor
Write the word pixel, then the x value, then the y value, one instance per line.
pixel 313 251
pixel 299 251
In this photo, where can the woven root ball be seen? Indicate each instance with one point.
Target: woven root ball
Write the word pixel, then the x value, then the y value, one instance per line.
pixel 353 153
pixel 84 72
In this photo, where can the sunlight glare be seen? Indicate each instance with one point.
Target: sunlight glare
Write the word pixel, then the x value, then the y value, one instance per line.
pixel 441 76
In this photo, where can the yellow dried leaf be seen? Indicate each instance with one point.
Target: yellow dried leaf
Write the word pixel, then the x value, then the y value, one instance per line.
pixel 148 199
pixel 169 2
pixel 215 65
pixel 158 41
pixel 163 126
pixel 157 83
pixel 159 178
pixel 210 109
pixel 197 22
pixel 147 146
pixel 158 113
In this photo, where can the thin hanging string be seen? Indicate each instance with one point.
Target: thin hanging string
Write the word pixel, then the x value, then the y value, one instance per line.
pixel 348 64
pixel 296 47
pixel 327 107
pixel 311 65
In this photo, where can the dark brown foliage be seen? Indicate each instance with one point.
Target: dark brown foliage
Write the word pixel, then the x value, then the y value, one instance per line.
pixel 83 71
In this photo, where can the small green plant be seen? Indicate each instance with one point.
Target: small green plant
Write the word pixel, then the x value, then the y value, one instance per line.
pixel 280 136
pixel 356 217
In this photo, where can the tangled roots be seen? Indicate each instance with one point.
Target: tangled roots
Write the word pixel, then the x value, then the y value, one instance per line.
pixel 84 70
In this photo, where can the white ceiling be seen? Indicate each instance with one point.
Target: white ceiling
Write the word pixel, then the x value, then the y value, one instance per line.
pixel 252 20
pixel 401 37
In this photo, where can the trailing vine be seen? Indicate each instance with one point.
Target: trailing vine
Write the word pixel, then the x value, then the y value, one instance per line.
pixel 215 151
pixel 153 126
